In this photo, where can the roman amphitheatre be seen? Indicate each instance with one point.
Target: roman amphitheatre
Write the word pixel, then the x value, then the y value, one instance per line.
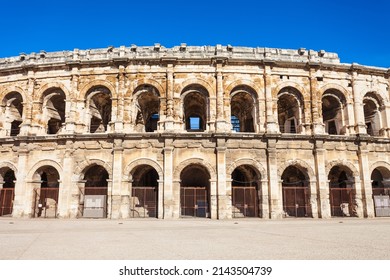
pixel 216 132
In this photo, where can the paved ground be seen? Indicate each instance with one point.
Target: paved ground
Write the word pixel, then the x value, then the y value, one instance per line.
pixel 56 239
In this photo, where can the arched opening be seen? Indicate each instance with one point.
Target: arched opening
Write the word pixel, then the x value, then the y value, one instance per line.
pixel 95 192
pixel 46 195
pixel 296 193
pixel 195 108
pixel 380 182
pixel 96 180
pixel 7 190
pixel 243 109
pixel 246 192
pixel 54 110
pixel 342 191
pixel 371 109
pixel 333 104
pixel 194 191
pixel 99 104
pixel 13 112
pixel 144 193
pixel 290 110
pixel 148 108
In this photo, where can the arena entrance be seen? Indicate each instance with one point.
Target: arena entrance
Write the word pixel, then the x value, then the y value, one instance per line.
pixel 144 192
pixel 296 193
pixel 245 192
pixel 46 195
pixel 342 192
pixel 7 191
pixel 194 192
pixel 380 181
pixel 95 192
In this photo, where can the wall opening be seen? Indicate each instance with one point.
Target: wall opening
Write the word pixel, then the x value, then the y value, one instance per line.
pixel 195 108
pixel 148 108
pixel 243 109
pixel 7 191
pixel 371 109
pixel 342 192
pixel 290 110
pixel 13 112
pixel 100 106
pixel 296 193
pixel 54 110
pixel 46 195
pixel 333 104
pixel 194 192
pixel 144 194
pixel 246 192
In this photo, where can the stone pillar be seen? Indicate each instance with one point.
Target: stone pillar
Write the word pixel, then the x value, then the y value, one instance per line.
pixel 160 197
pixel 351 119
pixel 110 203
pixel 121 89
pixel 126 199
pixel 77 198
pixel 171 207
pixel 272 124
pixel 65 207
pixel 360 126
pixel 318 125
pixel 322 180
pixel 385 113
pixel 313 198
pixel 366 188
pixel 264 202
pixel 21 193
pixel 274 188
pixel 25 127
pixel 117 166
pixel 222 124
pixel 358 196
pixel 169 121
pixel 213 200
pixel 224 200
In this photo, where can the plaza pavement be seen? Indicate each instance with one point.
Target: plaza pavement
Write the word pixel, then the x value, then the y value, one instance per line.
pixel 287 239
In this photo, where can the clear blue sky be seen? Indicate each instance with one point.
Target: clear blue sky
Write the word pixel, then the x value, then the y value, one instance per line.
pixel 359 31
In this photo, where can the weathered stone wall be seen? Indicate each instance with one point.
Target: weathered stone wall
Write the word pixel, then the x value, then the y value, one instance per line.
pixel 182 78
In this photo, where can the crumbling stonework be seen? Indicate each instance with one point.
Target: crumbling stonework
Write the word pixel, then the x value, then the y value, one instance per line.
pixel 216 132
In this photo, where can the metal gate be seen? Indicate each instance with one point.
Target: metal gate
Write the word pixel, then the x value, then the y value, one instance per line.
pixel 342 202
pixel 46 202
pixel 143 202
pixel 194 202
pixel 245 202
pixel 6 201
pixel 295 201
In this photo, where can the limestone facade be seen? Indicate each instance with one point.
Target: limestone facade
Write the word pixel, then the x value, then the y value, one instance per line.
pixel 215 131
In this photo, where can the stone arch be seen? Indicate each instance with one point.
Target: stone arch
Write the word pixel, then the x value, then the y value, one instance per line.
pixel 293 85
pixel 199 161
pixel 95 83
pixel 145 81
pixel 245 82
pixel 11 89
pixel 196 81
pixel 374 94
pixel 301 165
pixel 42 163
pixel 258 167
pixel 379 164
pixel 10 165
pixel 332 86
pixel 83 166
pixel 52 86
pixel 142 161
pixel 341 162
